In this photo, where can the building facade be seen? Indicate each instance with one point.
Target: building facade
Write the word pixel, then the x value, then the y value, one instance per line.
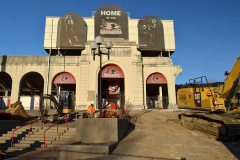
pixel 139 73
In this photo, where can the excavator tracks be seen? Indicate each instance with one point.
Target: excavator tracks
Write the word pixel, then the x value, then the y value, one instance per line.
pixel 224 128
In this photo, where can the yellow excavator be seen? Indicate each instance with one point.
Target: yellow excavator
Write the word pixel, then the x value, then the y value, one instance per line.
pixel 215 97
pixel 65 104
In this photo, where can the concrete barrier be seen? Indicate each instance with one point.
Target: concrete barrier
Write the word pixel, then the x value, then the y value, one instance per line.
pixel 81 151
pixel 96 137
pixel 101 130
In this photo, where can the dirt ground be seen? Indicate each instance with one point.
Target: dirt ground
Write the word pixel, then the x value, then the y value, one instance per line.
pixel 159 135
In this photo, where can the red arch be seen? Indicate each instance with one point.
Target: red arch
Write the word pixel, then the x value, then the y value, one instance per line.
pixel 156 78
pixel 64 78
pixel 112 71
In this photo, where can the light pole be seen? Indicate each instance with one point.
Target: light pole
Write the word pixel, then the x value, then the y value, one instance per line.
pixel 94 45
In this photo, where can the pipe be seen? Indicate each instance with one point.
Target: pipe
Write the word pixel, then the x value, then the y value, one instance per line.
pixel 143 83
pixel 50 51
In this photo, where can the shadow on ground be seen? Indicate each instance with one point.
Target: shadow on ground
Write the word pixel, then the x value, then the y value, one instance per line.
pixel 131 157
pixel 233 147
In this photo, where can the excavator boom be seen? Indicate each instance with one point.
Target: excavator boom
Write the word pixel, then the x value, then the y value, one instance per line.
pixel 231 79
pixel 51 98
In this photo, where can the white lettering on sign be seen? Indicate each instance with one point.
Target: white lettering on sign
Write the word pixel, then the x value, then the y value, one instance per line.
pixel 111 13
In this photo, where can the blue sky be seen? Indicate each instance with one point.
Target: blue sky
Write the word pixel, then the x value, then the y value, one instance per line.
pixel 207 32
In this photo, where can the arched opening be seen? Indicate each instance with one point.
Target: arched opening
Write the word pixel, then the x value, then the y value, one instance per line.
pixel 113 92
pixel 31 87
pixel 64 89
pixel 5 90
pixel 157 91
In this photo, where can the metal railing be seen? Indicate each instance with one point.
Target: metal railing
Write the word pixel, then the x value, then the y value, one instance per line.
pixel 52 126
pixel 36 120
pixel 46 118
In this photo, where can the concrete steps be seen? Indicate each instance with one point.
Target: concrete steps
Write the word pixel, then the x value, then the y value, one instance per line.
pixel 26 145
pixel 6 139
pixel 13 149
pixel 35 138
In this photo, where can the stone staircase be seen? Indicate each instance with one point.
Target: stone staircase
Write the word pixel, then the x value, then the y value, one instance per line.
pixel 23 142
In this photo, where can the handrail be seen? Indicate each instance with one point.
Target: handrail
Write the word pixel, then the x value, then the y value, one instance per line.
pixel 26 125
pixel 52 126
pixel 44 121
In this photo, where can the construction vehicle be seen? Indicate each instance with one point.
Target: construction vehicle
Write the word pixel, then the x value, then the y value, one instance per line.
pixel 65 105
pixel 216 98
pixel 201 96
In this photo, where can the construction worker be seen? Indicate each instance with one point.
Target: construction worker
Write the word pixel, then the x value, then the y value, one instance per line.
pixel 91 111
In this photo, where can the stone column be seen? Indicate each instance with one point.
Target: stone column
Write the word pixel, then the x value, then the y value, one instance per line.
pixel 172 95
pixel 15 90
pixel 58 92
pixel 139 87
pixel 160 102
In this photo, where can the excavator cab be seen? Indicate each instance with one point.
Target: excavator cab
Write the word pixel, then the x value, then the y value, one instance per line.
pixel 66 101
pixel 64 105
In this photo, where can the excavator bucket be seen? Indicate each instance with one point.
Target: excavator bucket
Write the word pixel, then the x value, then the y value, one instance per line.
pixel 17 111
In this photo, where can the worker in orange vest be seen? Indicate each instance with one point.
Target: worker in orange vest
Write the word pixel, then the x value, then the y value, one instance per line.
pixel 91 111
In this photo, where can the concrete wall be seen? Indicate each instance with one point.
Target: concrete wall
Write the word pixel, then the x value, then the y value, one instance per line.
pixel 101 130
pixel 81 151
pixel 85 70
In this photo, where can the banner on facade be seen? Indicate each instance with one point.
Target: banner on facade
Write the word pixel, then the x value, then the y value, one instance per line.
pixel 112 89
pixel 156 78
pixel 111 86
pixel 112 71
pixel 111 21
pixel 151 34
pixel 64 78
pixel 72 32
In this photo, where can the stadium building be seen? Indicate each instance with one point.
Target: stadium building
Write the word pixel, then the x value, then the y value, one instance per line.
pixel 138 74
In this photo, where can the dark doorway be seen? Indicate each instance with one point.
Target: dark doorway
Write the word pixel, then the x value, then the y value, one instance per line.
pixel 31 87
pixel 5 90
pixel 157 91
pixel 113 88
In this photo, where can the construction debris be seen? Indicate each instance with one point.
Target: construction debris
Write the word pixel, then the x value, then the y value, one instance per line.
pixel 109 114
